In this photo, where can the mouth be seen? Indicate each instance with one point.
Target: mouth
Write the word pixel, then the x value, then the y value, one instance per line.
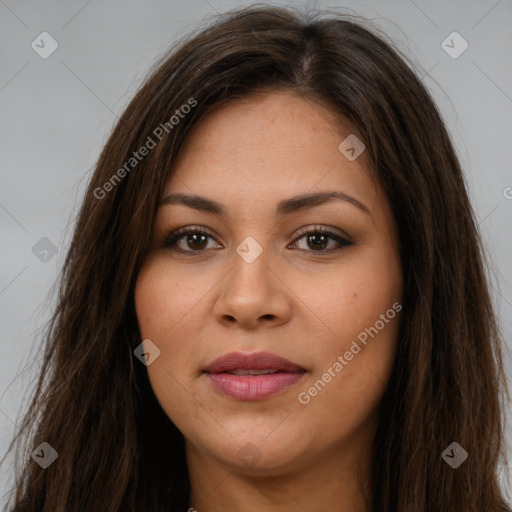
pixel 255 376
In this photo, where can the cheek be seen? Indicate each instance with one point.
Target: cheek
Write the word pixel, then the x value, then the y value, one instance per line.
pixel 164 308
pixel 343 302
pixel 344 392
pixel 167 313
pixel 361 307
pixel 150 300
pixel 165 300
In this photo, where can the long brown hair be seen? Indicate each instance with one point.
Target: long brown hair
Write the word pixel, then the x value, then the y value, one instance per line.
pixel 117 449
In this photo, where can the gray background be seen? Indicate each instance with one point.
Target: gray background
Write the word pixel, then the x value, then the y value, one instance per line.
pixel 56 114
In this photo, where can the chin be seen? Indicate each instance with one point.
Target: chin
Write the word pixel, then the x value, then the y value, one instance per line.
pixel 255 453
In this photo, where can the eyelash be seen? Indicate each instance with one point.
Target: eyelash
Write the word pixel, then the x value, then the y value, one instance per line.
pixel 170 238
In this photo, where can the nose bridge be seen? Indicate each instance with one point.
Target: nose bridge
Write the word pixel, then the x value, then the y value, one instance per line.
pixel 251 291
pixel 250 267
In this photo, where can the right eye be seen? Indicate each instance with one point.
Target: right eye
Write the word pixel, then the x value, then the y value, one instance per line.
pixel 195 239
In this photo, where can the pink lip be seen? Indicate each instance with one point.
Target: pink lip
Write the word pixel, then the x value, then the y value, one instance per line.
pixel 252 387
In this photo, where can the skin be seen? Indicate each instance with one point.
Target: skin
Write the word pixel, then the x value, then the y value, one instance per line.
pixel 298 299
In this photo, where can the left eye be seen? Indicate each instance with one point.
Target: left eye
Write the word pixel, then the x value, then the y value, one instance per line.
pixel 319 238
pixel 196 240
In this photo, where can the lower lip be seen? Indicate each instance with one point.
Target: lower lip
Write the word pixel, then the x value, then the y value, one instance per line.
pixel 255 387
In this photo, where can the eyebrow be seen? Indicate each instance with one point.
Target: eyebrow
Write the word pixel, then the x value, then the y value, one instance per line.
pixel 285 207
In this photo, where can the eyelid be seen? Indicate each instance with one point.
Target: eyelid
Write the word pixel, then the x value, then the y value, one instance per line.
pixel 316 228
pixel 175 234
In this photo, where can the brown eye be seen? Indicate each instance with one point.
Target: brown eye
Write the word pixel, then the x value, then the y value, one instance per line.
pixel 196 241
pixel 317 240
pixel 187 240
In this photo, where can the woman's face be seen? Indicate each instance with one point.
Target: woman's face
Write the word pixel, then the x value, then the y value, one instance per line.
pixel 325 299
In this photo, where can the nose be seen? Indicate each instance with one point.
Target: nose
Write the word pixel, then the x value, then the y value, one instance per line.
pixel 253 295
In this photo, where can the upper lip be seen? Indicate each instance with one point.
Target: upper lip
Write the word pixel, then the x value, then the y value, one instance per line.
pixel 253 361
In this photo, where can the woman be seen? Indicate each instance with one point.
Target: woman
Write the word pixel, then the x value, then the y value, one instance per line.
pixel 275 296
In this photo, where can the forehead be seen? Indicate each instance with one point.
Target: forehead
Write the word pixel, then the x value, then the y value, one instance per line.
pixel 268 146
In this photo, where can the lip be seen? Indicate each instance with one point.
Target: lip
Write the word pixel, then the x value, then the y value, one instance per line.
pixel 252 387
